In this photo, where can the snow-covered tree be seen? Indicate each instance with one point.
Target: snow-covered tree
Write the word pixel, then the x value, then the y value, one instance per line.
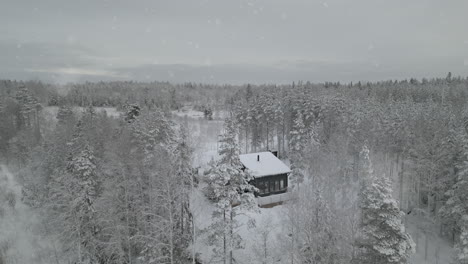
pixel 73 191
pixel 265 246
pixel 163 165
pixel 456 206
pixel 82 168
pixel 319 239
pixel 383 238
pixel 310 228
pixel 297 143
pixel 64 114
pixel 230 185
pixel 132 111
pixel 462 247
pixel 184 178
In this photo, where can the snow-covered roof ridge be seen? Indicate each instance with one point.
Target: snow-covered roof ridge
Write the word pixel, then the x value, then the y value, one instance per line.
pixel 268 164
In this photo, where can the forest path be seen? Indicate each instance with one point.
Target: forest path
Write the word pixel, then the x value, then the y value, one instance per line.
pixel 18 241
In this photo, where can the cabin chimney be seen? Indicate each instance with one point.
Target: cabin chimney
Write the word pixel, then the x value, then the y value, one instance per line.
pixel 258 157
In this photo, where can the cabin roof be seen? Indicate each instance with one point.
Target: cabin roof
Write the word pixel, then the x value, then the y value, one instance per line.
pixel 268 165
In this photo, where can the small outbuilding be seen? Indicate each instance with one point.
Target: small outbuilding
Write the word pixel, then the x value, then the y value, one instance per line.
pixel 270 173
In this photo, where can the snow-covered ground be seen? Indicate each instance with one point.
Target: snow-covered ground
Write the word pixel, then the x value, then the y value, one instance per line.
pixel 203 135
pixel 437 250
pixel 188 112
pixel 266 220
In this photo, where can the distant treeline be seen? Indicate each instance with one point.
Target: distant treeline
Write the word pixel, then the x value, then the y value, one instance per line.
pixel 165 95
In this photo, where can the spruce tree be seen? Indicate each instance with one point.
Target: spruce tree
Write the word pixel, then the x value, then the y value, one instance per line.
pixel 383 238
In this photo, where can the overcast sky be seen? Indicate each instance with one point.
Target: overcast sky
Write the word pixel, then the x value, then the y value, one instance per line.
pixel 231 41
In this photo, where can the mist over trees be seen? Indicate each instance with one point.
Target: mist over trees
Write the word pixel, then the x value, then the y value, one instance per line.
pixel 118 190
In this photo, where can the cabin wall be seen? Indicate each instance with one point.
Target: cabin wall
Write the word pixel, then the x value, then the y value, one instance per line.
pixel 273 184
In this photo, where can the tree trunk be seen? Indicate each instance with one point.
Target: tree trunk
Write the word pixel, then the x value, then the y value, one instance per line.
pixel 231 233
pixel 194 238
pixel 278 141
pixel 417 240
pixel 79 246
pixel 426 246
pixel 246 140
pixel 126 219
pixel 282 141
pixel 401 180
pixel 224 238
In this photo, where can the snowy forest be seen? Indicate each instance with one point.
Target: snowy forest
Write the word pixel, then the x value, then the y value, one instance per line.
pixel 149 172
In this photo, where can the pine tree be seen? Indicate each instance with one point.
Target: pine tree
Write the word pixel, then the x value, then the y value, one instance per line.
pixel 230 185
pixel 72 193
pixel 456 207
pixel 462 247
pixel 132 111
pixel 184 178
pixel 64 114
pixel 29 107
pixel 317 238
pixel 383 238
pixel 82 168
pixel 297 142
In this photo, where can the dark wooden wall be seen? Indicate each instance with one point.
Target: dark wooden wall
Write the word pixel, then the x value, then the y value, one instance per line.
pixel 273 184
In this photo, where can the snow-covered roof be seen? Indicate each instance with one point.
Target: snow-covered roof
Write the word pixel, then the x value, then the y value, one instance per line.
pixel 269 164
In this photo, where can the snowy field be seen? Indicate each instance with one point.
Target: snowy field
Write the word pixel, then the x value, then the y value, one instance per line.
pixel 203 135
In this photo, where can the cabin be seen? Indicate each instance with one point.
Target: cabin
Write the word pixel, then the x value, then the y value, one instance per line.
pixel 270 173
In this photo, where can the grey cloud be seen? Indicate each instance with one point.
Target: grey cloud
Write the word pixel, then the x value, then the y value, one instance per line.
pixel 266 39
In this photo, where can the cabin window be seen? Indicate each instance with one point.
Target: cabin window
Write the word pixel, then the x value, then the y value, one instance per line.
pixel 260 186
pixel 268 185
